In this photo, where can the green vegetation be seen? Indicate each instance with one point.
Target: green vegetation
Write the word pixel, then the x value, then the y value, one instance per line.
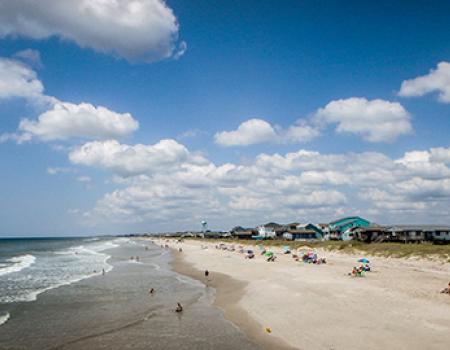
pixel 395 250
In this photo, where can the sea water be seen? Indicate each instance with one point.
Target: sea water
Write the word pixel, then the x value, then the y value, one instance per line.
pixel 54 295
pixel 30 267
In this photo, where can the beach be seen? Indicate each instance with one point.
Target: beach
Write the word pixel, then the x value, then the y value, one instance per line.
pixel 306 306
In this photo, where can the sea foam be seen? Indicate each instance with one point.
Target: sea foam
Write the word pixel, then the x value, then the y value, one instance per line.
pixel 18 263
pixel 4 318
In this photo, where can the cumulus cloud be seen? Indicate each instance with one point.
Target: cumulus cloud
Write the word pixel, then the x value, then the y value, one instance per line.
pixel 145 30
pixel 67 120
pixel 128 160
pixel 374 120
pixel 169 186
pixel 250 132
pixel 64 120
pixel 300 132
pixel 254 131
pixel 437 80
pixel 19 81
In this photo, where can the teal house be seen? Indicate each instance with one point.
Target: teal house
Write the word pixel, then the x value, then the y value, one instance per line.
pixel 342 229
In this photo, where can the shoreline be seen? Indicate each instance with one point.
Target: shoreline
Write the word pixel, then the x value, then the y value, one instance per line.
pixel 229 292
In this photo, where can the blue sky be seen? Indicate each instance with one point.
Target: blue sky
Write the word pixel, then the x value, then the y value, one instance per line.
pixel 147 116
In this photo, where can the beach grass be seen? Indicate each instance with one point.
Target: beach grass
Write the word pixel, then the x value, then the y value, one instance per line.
pixel 394 250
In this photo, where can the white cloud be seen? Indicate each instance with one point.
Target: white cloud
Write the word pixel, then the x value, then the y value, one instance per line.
pixel 128 160
pixel 437 80
pixel 254 131
pixel 64 120
pixel 300 132
pixel 250 132
pixel 15 137
pixel 67 120
pixel 18 80
pixel 167 185
pixel 374 120
pixel 134 29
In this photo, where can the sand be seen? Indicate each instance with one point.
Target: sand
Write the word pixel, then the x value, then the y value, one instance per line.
pixel 306 306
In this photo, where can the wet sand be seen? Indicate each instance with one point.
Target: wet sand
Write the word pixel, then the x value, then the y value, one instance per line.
pixel 229 292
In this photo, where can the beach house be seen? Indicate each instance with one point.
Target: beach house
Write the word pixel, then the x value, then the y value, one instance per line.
pixel 419 233
pixel 268 231
pixel 342 229
pixel 240 232
pixel 301 232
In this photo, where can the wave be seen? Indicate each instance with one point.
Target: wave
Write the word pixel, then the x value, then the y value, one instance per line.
pixel 18 264
pixel 4 318
pixel 94 239
pixel 65 267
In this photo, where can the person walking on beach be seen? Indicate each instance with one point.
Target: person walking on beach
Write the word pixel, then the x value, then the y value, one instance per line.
pixel 179 308
pixel 151 291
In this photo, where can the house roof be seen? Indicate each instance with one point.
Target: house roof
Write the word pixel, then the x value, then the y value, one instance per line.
pixel 418 228
pixel 243 233
pixel 272 224
pixel 302 231
pixel 347 219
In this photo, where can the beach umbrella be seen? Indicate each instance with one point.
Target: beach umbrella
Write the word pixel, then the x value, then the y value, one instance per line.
pixel 364 260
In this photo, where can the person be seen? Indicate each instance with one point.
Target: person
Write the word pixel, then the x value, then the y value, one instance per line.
pixel 446 290
pixel 151 291
pixel 206 274
pixel 179 308
pixel 103 272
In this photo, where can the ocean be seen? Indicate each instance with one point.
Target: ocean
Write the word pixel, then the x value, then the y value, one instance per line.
pixel 92 293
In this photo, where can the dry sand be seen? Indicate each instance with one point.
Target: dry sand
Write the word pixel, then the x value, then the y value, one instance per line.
pixel 396 306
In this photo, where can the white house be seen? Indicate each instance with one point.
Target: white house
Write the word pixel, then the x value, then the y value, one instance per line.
pixel 266 231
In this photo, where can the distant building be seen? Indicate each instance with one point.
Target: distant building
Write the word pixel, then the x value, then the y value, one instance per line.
pixel 240 232
pixel 419 233
pixel 303 232
pixel 268 231
pixel 342 229
pixel 403 233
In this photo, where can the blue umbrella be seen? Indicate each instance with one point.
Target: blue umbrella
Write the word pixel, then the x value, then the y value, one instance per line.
pixel 364 260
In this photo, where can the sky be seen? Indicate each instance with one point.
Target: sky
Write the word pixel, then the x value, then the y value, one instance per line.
pixel 121 116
